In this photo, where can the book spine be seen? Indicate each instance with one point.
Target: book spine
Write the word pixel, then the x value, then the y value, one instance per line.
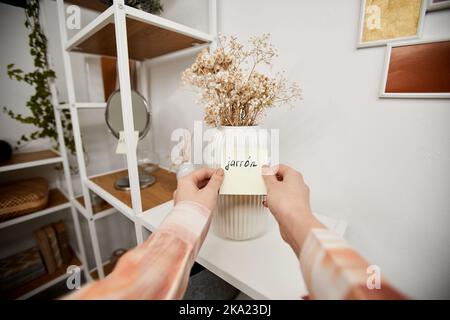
pixel 45 250
pixel 63 241
pixel 51 235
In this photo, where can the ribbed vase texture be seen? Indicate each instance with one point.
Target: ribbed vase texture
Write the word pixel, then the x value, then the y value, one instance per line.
pixel 238 217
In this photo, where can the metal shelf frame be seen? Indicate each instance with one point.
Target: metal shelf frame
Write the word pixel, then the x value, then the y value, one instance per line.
pixel 118 14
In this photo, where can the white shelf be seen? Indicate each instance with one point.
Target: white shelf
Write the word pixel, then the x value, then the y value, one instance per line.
pixel 160 192
pixel 30 159
pixel 83 105
pixel 249 265
pixel 97 213
pixel 149 36
pixel 57 202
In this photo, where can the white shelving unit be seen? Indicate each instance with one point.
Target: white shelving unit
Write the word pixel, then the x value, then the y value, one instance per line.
pixel 125 33
pixel 31 159
pixel 58 201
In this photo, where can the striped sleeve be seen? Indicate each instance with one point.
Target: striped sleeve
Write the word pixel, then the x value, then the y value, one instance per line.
pixel 333 270
pixel 159 268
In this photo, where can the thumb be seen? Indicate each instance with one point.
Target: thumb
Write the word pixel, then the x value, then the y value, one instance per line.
pixel 268 176
pixel 215 181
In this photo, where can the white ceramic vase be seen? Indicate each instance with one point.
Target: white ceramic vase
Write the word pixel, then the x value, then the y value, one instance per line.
pixel 238 217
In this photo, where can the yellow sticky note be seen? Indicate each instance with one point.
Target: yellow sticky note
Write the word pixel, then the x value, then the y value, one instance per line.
pixel 243 173
pixel 121 145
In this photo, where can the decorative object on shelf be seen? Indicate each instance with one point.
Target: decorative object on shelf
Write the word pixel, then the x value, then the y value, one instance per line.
pixel 150 6
pixel 184 169
pixel 53 241
pixel 5 151
pixel 53 245
pixel 96 201
pixel 115 256
pixel 417 69
pixel 148 160
pixel 45 250
pixel 142 120
pixel 63 241
pixel 22 197
pixel 19 269
pixel 241 214
pixel 384 21
pixel 435 5
pixel 236 96
pixel 109 75
pixel 39 104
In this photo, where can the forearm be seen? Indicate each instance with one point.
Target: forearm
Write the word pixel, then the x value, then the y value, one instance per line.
pixel 159 268
pixel 333 270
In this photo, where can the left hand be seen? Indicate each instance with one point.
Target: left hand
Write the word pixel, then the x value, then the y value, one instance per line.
pixel 201 186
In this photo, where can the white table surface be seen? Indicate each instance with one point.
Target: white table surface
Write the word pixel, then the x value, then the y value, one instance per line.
pixel 262 268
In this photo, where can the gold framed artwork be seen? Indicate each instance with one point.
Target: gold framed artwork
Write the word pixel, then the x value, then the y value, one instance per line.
pixel 434 5
pixel 384 21
pixel 417 69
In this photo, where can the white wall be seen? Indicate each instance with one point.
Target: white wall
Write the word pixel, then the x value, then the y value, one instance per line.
pixel 382 165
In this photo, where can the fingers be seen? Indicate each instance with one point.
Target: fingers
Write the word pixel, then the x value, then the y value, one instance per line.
pixel 215 181
pixel 285 172
pixel 268 176
pixel 199 176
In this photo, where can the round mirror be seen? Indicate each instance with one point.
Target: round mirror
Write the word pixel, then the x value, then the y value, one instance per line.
pixel 141 114
pixel 141 119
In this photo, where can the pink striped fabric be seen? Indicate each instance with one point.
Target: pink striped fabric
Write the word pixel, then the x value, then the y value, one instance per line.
pixel 159 268
pixel 333 270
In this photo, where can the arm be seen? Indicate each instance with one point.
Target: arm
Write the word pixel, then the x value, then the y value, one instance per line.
pixel 159 268
pixel 331 268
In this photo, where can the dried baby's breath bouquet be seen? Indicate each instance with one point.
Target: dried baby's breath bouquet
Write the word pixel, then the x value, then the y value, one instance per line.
pixel 234 92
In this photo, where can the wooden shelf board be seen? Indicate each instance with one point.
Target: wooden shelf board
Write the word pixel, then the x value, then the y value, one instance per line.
pixel 102 207
pixel 160 192
pixel 41 281
pixel 55 199
pixel 30 159
pixel 149 36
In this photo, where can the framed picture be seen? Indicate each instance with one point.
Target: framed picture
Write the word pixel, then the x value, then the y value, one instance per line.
pixel 417 69
pixel 385 21
pixel 434 5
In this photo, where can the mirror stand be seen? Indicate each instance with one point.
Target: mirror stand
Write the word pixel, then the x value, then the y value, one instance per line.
pixel 145 181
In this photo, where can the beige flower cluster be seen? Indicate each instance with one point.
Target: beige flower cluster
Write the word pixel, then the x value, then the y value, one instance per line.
pixel 233 91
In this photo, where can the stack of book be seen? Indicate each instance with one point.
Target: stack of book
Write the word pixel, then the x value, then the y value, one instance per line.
pixel 19 269
pixel 54 246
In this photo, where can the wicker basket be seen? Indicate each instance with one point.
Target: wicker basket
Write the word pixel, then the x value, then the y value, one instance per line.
pixel 22 197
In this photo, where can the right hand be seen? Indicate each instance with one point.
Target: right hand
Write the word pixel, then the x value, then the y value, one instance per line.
pixel 288 200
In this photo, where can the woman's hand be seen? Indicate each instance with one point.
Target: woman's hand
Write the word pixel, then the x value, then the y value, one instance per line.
pixel 288 200
pixel 201 186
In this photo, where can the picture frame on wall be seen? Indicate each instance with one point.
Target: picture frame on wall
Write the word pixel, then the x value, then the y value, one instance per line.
pixel 435 5
pixel 417 69
pixel 385 21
